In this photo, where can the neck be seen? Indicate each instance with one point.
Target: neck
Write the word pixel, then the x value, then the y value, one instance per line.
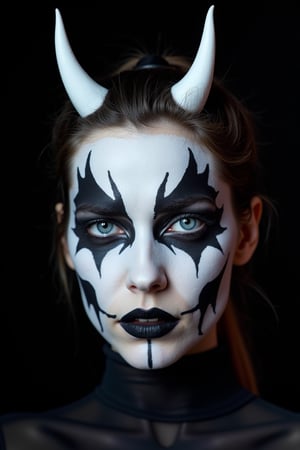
pixel 198 385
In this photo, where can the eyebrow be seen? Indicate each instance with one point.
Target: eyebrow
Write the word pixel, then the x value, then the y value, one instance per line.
pixel 184 203
pixel 98 210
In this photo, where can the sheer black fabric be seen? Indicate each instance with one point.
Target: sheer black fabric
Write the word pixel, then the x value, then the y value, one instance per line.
pixel 194 404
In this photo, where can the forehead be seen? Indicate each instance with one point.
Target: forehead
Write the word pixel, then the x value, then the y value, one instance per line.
pixel 138 158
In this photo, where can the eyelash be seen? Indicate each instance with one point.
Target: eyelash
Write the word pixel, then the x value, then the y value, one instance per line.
pixel 199 225
pixel 114 229
pixel 93 229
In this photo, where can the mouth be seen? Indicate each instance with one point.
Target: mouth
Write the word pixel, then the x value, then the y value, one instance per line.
pixel 148 324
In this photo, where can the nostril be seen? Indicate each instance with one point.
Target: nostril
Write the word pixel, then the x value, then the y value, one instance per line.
pixel 158 286
pixel 132 287
pixel 148 286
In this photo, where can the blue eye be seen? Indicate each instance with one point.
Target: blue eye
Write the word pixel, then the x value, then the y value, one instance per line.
pixel 186 224
pixel 104 228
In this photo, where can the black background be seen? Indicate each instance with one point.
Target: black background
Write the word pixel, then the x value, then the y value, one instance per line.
pixel 44 362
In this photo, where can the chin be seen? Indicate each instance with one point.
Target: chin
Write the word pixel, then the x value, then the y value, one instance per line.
pixel 148 355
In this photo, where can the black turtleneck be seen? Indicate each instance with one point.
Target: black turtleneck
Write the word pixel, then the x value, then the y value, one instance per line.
pixel 198 386
pixel 195 403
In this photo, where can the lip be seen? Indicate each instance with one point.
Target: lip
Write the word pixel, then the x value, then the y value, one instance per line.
pixel 148 324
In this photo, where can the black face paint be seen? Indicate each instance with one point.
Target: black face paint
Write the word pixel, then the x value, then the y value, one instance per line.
pixel 91 200
pixel 91 298
pixel 150 361
pixel 90 196
pixel 208 296
pixel 195 186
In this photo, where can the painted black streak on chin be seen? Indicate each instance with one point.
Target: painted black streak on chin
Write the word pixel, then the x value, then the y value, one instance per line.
pixel 208 296
pixel 91 298
pixel 195 185
pixel 90 193
pixel 150 362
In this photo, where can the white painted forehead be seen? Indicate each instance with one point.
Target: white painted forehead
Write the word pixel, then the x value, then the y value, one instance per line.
pixel 147 155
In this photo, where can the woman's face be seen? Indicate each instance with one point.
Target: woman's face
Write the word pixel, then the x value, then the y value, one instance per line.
pixel 151 236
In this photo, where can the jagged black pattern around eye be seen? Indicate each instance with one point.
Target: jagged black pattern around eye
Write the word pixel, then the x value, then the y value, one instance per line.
pixel 196 185
pixel 90 193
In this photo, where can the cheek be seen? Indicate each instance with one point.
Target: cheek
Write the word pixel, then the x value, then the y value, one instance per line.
pixel 229 239
pixel 112 276
pixel 85 266
pixel 182 269
pixel 182 272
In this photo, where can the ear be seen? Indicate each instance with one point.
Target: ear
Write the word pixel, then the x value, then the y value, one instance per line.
pixel 249 233
pixel 59 210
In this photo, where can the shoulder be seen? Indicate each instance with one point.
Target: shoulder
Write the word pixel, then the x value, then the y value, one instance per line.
pixel 259 411
pixel 267 411
pixel 271 422
pixel 46 430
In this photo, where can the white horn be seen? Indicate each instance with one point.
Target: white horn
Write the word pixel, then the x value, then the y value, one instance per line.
pixel 192 90
pixel 85 94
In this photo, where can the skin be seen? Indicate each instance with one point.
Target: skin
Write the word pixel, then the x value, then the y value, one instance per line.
pixel 152 230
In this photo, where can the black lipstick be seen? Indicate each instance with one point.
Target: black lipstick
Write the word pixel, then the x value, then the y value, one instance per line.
pixel 148 324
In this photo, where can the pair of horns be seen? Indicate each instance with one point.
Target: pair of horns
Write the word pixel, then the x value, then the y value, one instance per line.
pixel 86 95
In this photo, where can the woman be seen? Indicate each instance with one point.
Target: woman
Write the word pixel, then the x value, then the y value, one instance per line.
pixel 158 218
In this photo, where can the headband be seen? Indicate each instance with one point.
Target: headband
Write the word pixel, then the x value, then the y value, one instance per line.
pixel 86 95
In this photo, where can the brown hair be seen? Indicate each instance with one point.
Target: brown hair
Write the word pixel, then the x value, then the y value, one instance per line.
pixel 140 98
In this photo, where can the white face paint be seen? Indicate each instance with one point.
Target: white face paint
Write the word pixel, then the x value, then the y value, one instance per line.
pixel 152 235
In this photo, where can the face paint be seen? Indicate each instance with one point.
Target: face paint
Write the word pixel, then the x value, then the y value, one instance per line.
pixel 152 234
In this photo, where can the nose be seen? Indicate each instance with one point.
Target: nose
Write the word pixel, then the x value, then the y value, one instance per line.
pixel 146 272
